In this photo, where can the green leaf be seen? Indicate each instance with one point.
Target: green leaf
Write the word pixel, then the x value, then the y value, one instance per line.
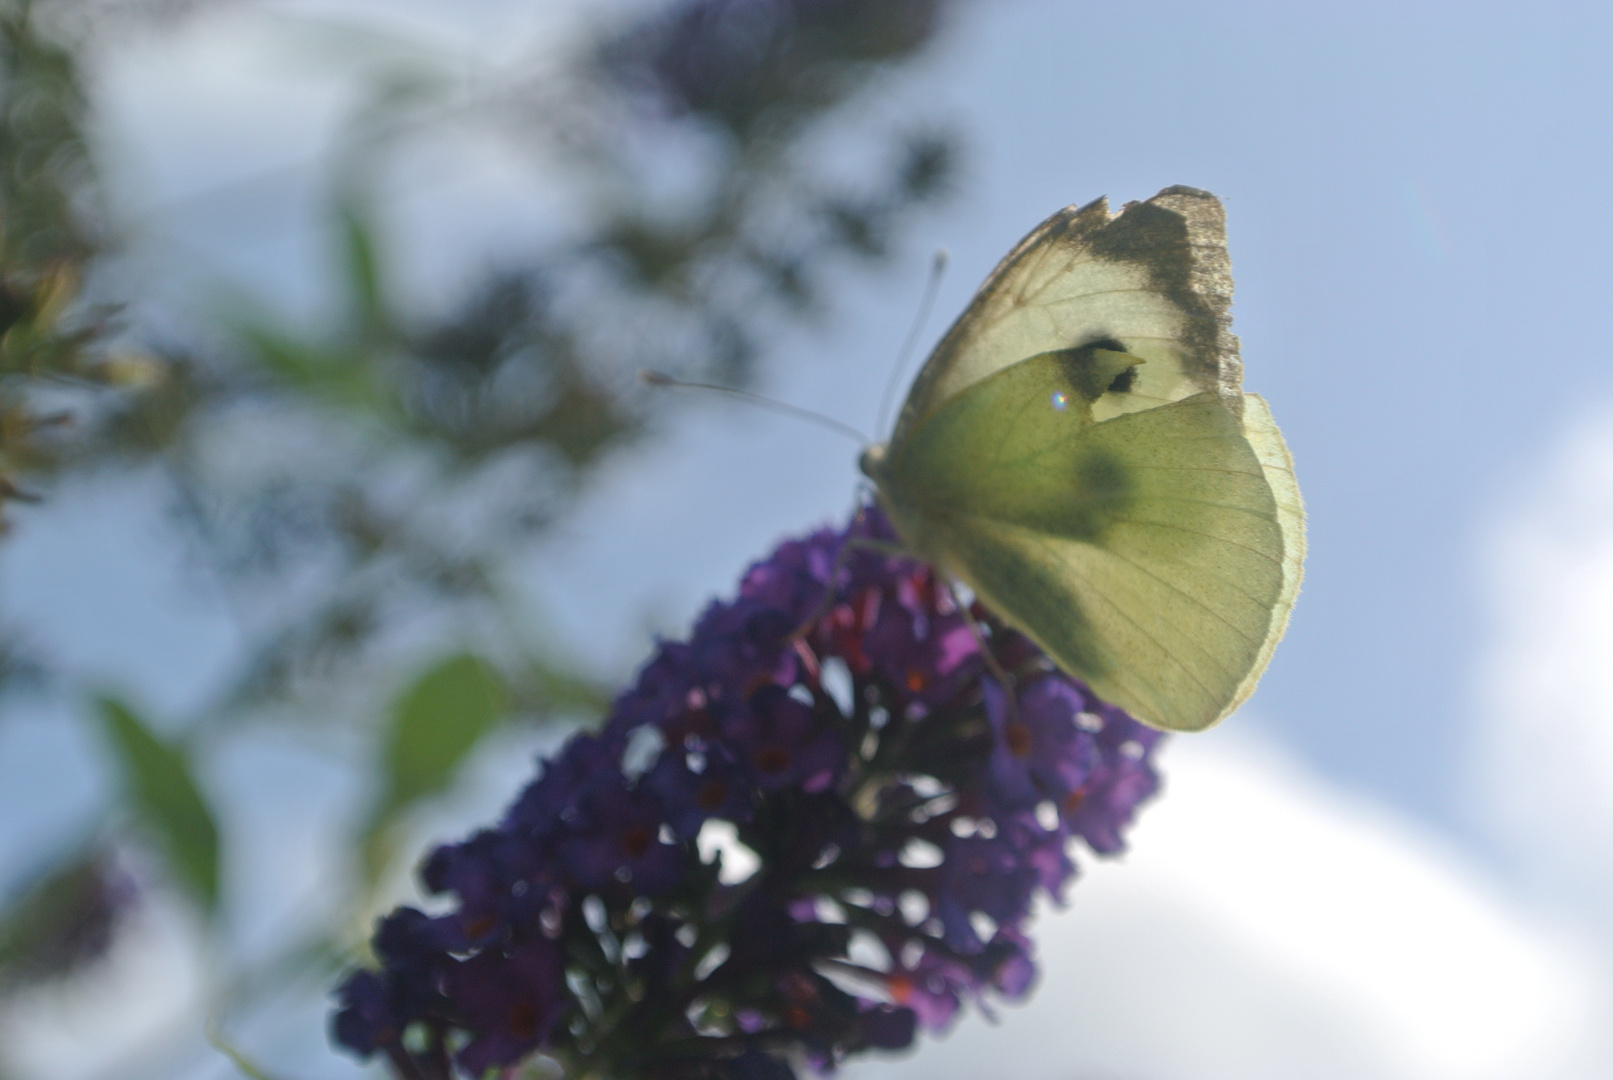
pixel 364 274
pixel 338 376
pixel 434 724
pixel 161 788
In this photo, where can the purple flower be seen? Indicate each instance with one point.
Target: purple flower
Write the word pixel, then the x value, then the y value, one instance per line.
pixel 921 645
pixel 376 1007
pixel 366 1018
pixel 510 999
pixel 697 780
pixel 886 1027
pixel 1007 965
pixel 846 731
pixel 499 879
pixel 933 987
pixel 784 741
pixel 1122 779
pixel 937 983
pixel 546 805
pixel 615 841
pixel 1038 752
pixel 987 876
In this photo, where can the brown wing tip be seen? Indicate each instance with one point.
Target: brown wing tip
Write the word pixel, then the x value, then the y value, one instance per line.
pixel 1208 283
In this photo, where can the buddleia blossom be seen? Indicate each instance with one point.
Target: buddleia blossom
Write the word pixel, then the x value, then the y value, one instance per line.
pixel 904 802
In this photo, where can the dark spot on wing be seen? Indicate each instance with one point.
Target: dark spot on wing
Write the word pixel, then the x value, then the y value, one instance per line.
pixel 1102 491
pixel 1101 478
pixel 1092 375
pixel 1077 365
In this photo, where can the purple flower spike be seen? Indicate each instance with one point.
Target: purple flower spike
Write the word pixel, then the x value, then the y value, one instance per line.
pixel 839 721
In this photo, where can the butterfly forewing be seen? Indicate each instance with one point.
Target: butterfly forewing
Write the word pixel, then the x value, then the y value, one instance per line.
pixel 1153 280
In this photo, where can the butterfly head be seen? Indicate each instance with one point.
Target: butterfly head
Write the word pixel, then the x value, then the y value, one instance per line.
pixel 872 463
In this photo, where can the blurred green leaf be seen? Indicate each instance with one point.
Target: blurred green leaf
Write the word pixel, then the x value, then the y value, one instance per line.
pixel 364 275
pixel 434 724
pixel 161 788
pixel 339 376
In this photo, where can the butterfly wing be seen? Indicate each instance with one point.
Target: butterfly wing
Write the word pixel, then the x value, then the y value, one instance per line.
pixel 1268 445
pixel 1153 554
pixel 1153 281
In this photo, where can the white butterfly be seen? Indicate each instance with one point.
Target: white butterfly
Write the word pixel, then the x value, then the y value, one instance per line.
pixel 1078 450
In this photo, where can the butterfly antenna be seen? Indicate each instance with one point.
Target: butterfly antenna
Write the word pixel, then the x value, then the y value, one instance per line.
pixel 938 267
pixel 660 378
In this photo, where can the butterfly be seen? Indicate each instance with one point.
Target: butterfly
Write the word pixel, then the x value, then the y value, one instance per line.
pixel 1079 452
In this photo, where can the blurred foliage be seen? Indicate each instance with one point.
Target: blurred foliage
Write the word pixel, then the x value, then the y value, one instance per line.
pixel 65 920
pixel 433 725
pixel 373 481
pixel 160 788
pixel 45 240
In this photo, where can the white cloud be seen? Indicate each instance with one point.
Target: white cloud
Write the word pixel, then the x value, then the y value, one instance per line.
pixel 1543 774
pixel 119 1016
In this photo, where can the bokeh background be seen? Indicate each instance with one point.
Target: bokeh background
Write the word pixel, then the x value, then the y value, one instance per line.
pixel 332 500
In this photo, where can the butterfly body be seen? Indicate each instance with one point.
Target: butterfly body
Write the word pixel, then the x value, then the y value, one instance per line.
pixel 1079 452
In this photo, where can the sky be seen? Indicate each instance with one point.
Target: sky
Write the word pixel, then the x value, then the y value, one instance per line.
pixel 1393 861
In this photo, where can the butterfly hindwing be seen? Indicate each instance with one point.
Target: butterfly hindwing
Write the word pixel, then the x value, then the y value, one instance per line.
pixel 1261 431
pixel 1144 553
